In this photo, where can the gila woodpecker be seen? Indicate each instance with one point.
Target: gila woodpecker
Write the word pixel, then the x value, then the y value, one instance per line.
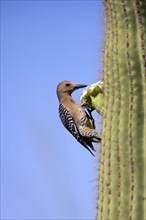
pixel 74 118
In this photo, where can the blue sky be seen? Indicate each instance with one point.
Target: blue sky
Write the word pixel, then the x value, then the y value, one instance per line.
pixel 45 172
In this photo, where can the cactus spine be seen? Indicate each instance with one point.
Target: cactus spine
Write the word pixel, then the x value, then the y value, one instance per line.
pixel 121 184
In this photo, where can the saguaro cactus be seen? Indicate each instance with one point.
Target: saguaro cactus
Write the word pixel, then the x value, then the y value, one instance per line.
pixel 121 190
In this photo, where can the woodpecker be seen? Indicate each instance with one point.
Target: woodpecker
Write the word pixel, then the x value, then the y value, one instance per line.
pixel 74 118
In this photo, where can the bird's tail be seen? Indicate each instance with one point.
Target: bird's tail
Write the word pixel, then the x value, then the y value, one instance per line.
pixel 96 139
pixel 89 143
pixel 89 150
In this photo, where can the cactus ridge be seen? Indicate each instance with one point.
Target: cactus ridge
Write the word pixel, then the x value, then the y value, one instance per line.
pixel 118 112
pixel 141 23
pixel 104 151
pixel 131 105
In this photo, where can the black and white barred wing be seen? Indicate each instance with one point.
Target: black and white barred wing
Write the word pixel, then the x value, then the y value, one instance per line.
pixel 68 122
pixel 70 125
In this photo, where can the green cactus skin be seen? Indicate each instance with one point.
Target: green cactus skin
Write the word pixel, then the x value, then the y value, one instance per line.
pixel 121 184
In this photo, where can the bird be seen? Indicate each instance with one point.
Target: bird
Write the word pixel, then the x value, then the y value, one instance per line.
pixel 74 117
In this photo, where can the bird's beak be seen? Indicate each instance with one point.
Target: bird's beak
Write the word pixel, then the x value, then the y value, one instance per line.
pixel 79 86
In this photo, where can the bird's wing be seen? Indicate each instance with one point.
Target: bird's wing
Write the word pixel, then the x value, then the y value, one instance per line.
pixel 87 128
pixel 70 125
pixel 68 121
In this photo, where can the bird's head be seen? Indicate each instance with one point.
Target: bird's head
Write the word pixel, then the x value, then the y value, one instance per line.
pixel 67 87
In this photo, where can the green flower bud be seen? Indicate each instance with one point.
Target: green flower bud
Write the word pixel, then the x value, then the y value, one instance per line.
pixel 92 97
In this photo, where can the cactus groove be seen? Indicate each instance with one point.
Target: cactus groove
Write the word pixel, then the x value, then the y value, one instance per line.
pixel 121 183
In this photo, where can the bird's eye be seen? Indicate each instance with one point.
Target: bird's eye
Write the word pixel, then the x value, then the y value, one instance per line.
pixel 67 84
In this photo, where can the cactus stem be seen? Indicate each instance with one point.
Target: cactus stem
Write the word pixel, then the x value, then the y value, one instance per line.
pixel 121 172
